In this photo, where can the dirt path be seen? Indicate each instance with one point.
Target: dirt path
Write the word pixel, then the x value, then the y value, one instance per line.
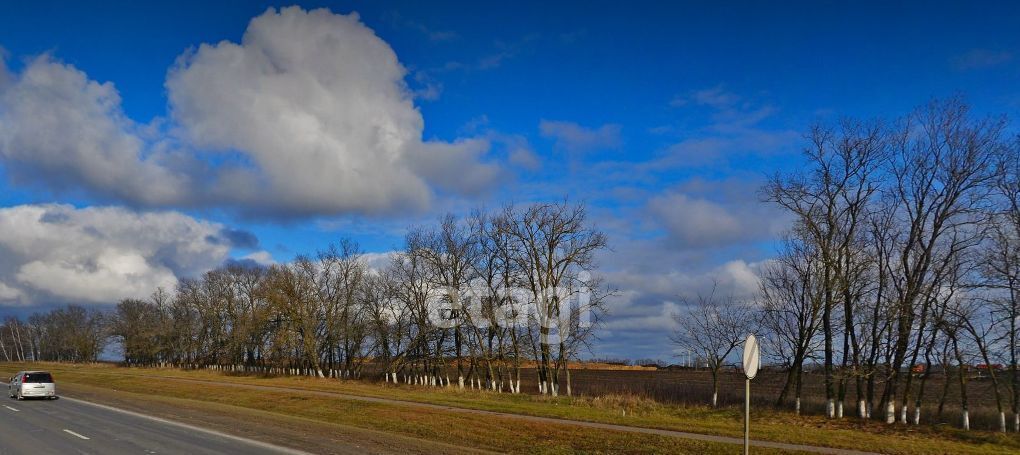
pixel 551 420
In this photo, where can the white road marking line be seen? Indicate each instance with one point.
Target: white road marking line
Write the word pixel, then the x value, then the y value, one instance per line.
pixel 264 445
pixel 8 407
pixel 76 434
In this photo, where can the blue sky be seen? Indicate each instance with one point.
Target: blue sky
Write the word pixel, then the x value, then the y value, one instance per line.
pixel 664 118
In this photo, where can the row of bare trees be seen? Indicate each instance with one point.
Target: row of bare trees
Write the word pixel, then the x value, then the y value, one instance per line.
pixel 903 263
pixel 70 334
pixel 471 300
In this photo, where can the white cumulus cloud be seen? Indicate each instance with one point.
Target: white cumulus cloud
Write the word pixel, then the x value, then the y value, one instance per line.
pixel 309 114
pixel 58 253
pixel 61 129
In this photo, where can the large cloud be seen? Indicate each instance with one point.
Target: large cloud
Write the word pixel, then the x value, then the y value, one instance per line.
pixel 711 214
pixel 57 253
pixel 640 319
pixel 63 130
pixel 698 237
pixel 309 114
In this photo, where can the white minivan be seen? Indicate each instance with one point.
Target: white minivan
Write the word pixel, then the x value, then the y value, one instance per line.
pixel 32 384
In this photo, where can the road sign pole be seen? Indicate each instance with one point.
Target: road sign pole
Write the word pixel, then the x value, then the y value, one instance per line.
pixel 747 416
pixel 752 360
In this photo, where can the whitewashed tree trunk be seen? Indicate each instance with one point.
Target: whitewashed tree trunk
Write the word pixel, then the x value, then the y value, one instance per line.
pixel 715 399
pixel 966 420
pixel 1016 422
pixel 862 409
pixel 796 406
pixel 460 381
pixel 890 412
pixel 1002 422
pixel 839 410
pixel 830 408
pixel 917 415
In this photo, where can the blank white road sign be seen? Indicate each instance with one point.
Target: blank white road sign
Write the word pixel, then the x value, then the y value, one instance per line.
pixel 752 358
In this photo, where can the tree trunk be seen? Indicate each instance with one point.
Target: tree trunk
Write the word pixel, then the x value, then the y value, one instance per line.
pixel 799 388
pixel 962 375
pixel 715 387
pixel 827 329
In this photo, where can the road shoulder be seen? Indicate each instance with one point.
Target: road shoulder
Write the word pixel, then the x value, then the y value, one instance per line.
pixel 277 429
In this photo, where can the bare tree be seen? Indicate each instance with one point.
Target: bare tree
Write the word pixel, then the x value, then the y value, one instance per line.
pixel 714 327
pixel 791 309
pixel 942 169
pixel 1001 268
pixel 136 324
pixel 830 203
pixel 554 244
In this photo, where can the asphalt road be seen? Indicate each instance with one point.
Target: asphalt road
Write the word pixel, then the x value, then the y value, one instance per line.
pixel 69 426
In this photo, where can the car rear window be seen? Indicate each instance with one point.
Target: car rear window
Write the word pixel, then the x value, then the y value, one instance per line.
pixel 37 377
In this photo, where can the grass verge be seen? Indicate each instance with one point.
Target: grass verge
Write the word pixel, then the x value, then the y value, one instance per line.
pixel 517 435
